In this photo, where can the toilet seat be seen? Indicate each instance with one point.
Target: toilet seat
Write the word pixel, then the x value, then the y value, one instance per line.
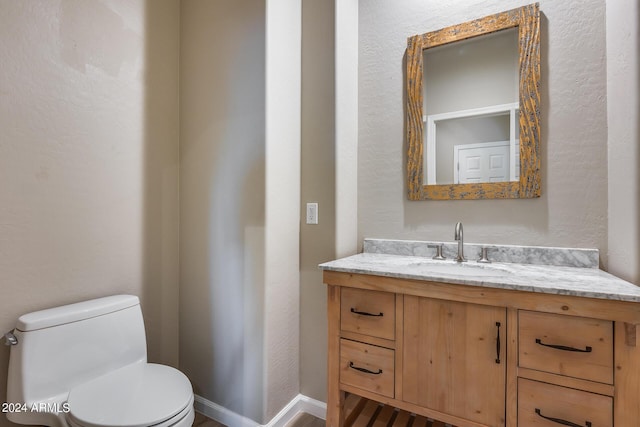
pixel 138 395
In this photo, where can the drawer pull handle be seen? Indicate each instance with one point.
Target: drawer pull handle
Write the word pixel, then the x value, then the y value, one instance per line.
pixel 564 347
pixel 364 313
pixel 498 344
pixel 561 421
pixel 366 371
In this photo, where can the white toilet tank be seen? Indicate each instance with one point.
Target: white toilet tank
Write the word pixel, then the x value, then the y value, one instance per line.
pixel 62 347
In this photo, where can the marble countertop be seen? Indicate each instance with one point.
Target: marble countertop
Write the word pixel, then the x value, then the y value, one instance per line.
pixel 549 279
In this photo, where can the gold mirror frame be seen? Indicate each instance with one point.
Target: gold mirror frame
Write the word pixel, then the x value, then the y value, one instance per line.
pixel 527 19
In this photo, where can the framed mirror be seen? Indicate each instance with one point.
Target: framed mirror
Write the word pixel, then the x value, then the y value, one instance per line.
pixel 473 109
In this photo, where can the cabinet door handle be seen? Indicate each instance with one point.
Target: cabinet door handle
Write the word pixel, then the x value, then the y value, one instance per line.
pixel 498 344
pixel 561 421
pixel 364 313
pixel 564 347
pixel 366 371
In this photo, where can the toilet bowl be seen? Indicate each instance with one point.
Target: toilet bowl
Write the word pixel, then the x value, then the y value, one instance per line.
pixel 85 365
pixel 138 395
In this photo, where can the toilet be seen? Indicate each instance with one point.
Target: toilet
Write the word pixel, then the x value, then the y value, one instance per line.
pixel 85 365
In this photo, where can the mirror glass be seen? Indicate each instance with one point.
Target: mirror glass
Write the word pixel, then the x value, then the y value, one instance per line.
pixel 473 107
pixel 470 110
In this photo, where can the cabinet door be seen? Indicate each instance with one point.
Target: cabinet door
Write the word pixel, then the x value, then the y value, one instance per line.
pixel 451 360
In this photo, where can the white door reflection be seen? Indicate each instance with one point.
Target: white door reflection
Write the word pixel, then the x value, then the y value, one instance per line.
pixel 484 162
pixel 476 128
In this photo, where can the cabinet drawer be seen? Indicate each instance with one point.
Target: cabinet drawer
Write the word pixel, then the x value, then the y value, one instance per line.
pixel 573 346
pixel 367 367
pixel 368 312
pixel 538 400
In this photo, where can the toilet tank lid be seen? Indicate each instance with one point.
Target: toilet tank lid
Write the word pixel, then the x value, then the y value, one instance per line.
pixel 75 312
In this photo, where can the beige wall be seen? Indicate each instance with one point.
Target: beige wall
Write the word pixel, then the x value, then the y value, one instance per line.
pixel 317 242
pixel 282 204
pixel 346 73
pixel 89 160
pixel 239 203
pixel 623 105
pixel 222 201
pixel 573 208
pixel 474 73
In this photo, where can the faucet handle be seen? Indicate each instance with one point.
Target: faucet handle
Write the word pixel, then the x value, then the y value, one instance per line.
pixel 438 249
pixel 483 256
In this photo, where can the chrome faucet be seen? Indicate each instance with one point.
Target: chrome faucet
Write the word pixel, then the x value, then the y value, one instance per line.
pixel 460 238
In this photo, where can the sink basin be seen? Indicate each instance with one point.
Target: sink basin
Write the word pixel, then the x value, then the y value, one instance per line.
pixel 464 269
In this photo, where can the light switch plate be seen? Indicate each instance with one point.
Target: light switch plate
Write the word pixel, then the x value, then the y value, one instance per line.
pixel 312 213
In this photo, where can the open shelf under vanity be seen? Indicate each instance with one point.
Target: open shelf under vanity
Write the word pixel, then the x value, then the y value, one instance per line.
pixel 362 412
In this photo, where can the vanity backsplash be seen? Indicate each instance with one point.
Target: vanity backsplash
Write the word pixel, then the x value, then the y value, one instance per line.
pixel 537 255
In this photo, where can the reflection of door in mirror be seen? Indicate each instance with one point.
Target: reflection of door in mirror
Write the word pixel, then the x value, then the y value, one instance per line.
pixel 483 162
pixel 471 98
pixel 479 128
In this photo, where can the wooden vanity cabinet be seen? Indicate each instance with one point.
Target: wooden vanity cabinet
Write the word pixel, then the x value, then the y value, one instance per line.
pixel 481 357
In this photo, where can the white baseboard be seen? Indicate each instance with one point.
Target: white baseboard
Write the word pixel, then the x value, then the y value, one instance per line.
pixel 229 418
pixel 221 414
